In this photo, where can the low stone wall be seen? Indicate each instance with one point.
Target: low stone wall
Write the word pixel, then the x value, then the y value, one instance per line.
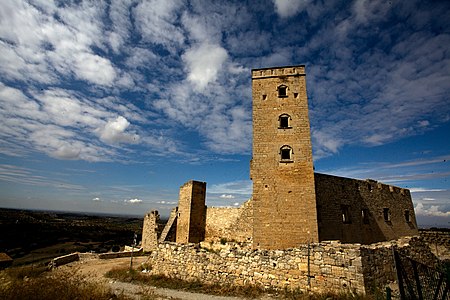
pixel 62 260
pixel 332 266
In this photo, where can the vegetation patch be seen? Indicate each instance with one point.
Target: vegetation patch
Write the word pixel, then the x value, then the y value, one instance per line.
pixel 36 283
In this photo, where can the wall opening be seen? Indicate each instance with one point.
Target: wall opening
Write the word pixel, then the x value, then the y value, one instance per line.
pixel 282 91
pixel 365 215
pixel 284 121
pixel 345 209
pixel 407 216
pixel 386 214
pixel 286 153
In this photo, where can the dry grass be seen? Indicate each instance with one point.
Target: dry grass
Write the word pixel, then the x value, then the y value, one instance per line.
pixel 35 283
pixel 249 291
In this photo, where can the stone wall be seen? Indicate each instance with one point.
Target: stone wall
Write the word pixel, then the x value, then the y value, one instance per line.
pixel 231 224
pixel 353 211
pixel 282 166
pixel 149 231
pixel 438 241
pixel 332 266
pixel 191 212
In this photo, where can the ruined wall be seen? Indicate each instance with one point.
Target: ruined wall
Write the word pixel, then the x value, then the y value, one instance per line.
pixel 149 231
pixel 332 266
pixel 232 224
pixel 191 212
pixel 354 211
pixel 282 168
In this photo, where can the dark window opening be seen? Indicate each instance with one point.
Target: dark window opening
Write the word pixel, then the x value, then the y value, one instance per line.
pixel 296 95
pixel 407 216
pixel 286 153
pixel 264 97
pixel 284 121
pixel 282 91
pixel 386 214
pixel 345 214
pixel 369 186
pixel 365 215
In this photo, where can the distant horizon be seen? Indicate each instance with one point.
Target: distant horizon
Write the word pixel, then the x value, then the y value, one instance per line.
pixel 165 217
pixel 110 106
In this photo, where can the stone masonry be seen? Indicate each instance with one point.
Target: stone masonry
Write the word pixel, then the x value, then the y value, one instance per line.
pixel 284 202
pixel 330 266
pixel 191 217
pixel 149 231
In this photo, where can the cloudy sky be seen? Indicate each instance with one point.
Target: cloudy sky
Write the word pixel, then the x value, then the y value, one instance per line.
pixel 111 106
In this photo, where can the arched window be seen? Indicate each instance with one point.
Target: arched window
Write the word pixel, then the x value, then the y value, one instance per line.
pixel 286 153
pixel 284 121
pixel 282 91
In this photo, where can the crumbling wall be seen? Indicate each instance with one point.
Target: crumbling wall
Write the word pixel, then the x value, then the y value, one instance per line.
pixel 362 211
pixel 191 218
pixel 149 231
pixel 329 266
pixel 231 224
pixel 332 266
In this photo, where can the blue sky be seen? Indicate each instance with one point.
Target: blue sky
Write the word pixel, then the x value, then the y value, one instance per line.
pixel 111 106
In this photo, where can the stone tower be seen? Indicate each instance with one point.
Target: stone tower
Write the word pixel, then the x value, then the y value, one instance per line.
pixel 284 202
pixel 191 220
pixel 149 231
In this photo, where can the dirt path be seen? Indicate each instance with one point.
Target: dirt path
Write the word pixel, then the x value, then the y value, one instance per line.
pixel 97 268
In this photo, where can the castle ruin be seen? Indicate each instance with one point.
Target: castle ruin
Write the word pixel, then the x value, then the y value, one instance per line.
pixel 292 205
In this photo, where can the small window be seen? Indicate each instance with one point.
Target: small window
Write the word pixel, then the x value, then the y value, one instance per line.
pixel 282 91
pixel 264 97
pixel 295 95
pixel 407 216
pixel 284 121
pixel 365 216
pixel 386 214
pixel 345 214
pixel 286 153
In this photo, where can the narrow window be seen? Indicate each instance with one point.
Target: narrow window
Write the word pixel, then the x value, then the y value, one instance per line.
pixel 282 91
pixel 284 121
pixel 386 214
pixel 407 216
pixel 365 215
pixel 295 95
pixel 345 214
pixel 286 153
pixel 264 97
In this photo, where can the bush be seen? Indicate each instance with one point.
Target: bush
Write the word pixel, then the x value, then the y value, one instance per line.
pixel 58 284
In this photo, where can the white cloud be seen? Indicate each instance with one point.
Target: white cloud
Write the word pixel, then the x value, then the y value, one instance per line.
pixel 289 8
pixel 227 196
pixel 204 62
pixel 423 190
pixel 133 201
pixel 432 210
pixel 114 132
pixel 96 199
pixel 242 187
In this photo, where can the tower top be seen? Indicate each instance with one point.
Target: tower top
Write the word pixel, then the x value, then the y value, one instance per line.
pixel 279 71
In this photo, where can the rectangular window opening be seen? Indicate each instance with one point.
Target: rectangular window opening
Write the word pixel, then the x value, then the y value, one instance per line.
pixel 365 215
pixel 407 216
pixel 285 154
pixel 345 214
pixel 386 214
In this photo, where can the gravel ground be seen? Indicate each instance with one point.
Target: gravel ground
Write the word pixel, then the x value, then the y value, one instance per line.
pixel 97 268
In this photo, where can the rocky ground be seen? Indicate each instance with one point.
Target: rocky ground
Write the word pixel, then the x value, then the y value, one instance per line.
pixel 97 268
